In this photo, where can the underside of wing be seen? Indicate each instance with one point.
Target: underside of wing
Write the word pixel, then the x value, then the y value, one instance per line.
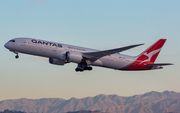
pixel 93 56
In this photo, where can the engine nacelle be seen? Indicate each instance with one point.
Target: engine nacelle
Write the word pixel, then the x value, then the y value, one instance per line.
pixel 75 57
pixel 56 61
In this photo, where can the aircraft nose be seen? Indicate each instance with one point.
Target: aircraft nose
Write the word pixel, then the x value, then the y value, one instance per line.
pixel 6 45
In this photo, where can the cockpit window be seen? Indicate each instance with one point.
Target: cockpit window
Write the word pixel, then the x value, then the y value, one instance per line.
pixel 12 41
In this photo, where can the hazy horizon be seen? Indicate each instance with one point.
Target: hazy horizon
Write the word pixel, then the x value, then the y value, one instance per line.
pixel 87 96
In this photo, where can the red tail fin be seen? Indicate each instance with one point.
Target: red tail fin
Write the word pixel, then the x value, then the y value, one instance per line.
pixel 149 56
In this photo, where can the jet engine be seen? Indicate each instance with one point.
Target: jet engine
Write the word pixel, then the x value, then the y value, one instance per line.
pixel 72 56
pixel 56 61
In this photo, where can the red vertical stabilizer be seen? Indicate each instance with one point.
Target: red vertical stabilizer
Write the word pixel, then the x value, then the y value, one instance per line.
pixel 147 57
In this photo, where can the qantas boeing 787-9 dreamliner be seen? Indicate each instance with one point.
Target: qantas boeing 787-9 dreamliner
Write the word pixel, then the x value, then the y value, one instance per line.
pixel 60 54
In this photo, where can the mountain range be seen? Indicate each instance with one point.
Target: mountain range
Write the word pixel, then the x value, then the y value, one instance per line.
pixel 151 102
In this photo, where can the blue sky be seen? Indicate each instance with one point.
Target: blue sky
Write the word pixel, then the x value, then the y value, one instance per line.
pixel 100 24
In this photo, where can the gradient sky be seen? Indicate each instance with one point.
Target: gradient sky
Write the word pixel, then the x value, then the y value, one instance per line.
pixel 99 24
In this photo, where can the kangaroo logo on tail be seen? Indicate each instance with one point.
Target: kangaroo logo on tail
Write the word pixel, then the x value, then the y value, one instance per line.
pixel 145 61
pixel 150 55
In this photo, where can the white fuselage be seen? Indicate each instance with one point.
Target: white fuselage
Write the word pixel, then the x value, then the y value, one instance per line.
pixel 57 51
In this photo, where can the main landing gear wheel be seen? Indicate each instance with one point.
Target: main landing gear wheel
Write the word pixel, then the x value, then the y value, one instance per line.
pixel 85 68
pixel 88 68
pixel 77 69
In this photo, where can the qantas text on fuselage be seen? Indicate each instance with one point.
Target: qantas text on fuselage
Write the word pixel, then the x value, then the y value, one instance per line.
pixel 85 58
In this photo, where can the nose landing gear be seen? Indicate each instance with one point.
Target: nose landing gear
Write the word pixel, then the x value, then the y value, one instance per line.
pixel 17 56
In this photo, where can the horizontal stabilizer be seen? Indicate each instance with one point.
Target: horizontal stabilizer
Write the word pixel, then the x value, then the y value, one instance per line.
pixel 160 64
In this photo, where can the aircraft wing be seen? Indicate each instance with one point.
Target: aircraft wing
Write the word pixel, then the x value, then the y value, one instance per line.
pixel 93 56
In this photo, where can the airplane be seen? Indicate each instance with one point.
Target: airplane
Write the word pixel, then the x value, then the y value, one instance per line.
pixel 85 58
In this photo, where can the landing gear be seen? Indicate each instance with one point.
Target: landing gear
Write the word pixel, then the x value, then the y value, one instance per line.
pixel 82 66
pixel 78 69
pixel 81 69
pixel 88 68
pixel 17 56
